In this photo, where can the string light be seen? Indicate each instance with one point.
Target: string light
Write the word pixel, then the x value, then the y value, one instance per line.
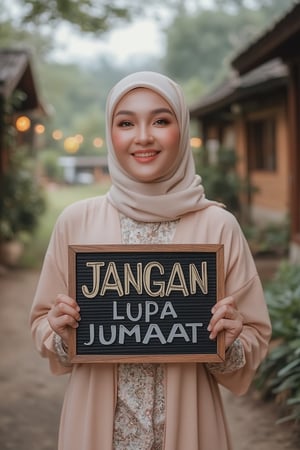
pixel 71 145
pixel 98 142
pixel 39 128
pixel 57 135
pixel 23 123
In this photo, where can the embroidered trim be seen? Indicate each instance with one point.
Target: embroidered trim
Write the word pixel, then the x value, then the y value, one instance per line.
pixel 61 350
pixel 234 359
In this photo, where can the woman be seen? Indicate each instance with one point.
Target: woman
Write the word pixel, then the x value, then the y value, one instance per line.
pixel 156 197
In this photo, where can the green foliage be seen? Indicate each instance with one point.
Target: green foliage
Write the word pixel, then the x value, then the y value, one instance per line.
pixel 196 45
pixel 271 238
pixel 273 7
pixel 193 88
pixel 220 179
pixel 22 200
pixel 57 198
pixel 202 42
pixel 88 16
pixel 49 164
pixel 279 375
pixel 14 35
pixel 70 91
pixel 75 106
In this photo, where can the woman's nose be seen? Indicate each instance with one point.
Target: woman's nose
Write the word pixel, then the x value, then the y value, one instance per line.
pixel 143 135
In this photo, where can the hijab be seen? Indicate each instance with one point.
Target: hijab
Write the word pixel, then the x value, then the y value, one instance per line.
pixel 180 191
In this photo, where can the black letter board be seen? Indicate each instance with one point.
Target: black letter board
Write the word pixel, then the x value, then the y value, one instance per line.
pixel 146 303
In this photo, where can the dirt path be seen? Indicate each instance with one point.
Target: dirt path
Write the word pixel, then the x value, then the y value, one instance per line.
pixel 31 398
pixel 253 425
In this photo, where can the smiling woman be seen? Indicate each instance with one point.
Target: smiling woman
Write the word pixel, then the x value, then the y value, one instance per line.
pixel 156 198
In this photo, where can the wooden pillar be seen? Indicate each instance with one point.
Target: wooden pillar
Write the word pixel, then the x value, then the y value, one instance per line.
pixel 204 127
pixel 294 131
pixel 4 145
pixel 1 137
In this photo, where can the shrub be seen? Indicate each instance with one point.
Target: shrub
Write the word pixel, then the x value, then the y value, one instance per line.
pixel 220 178
pixel 272 238
pixel 51 168
pixel 22 200
pixel 279 375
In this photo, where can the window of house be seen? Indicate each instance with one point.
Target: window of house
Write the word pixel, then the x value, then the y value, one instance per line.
pixel 262 144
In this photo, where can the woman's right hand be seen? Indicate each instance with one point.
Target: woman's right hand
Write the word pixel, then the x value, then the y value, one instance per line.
pixel 63 316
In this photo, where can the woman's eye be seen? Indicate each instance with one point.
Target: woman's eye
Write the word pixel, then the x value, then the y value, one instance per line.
pixel 162 122
pixel 125 124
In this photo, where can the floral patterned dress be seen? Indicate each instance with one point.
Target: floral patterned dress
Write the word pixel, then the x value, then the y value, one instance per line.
pixel 140 412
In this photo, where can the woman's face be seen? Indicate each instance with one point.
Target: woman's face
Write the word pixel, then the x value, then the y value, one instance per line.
pixel 145 135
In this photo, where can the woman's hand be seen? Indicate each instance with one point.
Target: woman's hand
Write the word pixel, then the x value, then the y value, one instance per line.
pixel 226 317
pixel 63 316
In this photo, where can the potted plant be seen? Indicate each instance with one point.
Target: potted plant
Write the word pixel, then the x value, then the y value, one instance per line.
pixel 22 202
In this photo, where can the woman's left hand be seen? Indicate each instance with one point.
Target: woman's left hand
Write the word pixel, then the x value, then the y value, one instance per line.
pixel 226 317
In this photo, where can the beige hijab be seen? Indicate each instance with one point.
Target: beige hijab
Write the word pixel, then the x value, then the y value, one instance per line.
pixel 177 193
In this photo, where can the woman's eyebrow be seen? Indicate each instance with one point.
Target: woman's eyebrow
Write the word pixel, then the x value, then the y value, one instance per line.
pixel 124 112
pixel 163 110
pixel 154 111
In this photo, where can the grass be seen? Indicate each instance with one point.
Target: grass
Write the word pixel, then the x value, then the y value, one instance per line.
pixel 57 199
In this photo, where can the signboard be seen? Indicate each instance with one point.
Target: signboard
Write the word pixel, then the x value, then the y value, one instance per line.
pixel 146 303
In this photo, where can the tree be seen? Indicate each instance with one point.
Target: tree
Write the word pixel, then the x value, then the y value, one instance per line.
pixel 76 98
pixel 10 37
pixel 197 44
pixel 85 14
pixel 95 16
pixel 15 35
pixel 201 42
pixel 274 7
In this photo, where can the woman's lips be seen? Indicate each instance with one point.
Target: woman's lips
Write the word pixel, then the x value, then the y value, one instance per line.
pixel 145 155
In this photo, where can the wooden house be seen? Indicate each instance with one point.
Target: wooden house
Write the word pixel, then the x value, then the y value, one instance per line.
pixel 18 97
pixel 257 112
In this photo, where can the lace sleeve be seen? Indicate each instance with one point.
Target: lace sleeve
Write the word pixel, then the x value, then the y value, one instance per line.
pixel 60 350
pixel 234 359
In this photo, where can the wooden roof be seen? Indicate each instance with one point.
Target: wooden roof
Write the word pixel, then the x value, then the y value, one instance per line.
pixel 261 80
pixel 16 74
pixel 282 40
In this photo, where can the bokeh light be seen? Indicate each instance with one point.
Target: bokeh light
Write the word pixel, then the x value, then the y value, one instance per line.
pixel 39 128
pixel 23 123
pixel 196 142
pixel 98 142
pixel 71 145
pixel 57 135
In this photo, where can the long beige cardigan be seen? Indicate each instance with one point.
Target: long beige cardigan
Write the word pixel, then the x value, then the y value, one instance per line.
pixel 195 418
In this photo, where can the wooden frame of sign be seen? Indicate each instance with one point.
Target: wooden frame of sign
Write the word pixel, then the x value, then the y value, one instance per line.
pixel 146 303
